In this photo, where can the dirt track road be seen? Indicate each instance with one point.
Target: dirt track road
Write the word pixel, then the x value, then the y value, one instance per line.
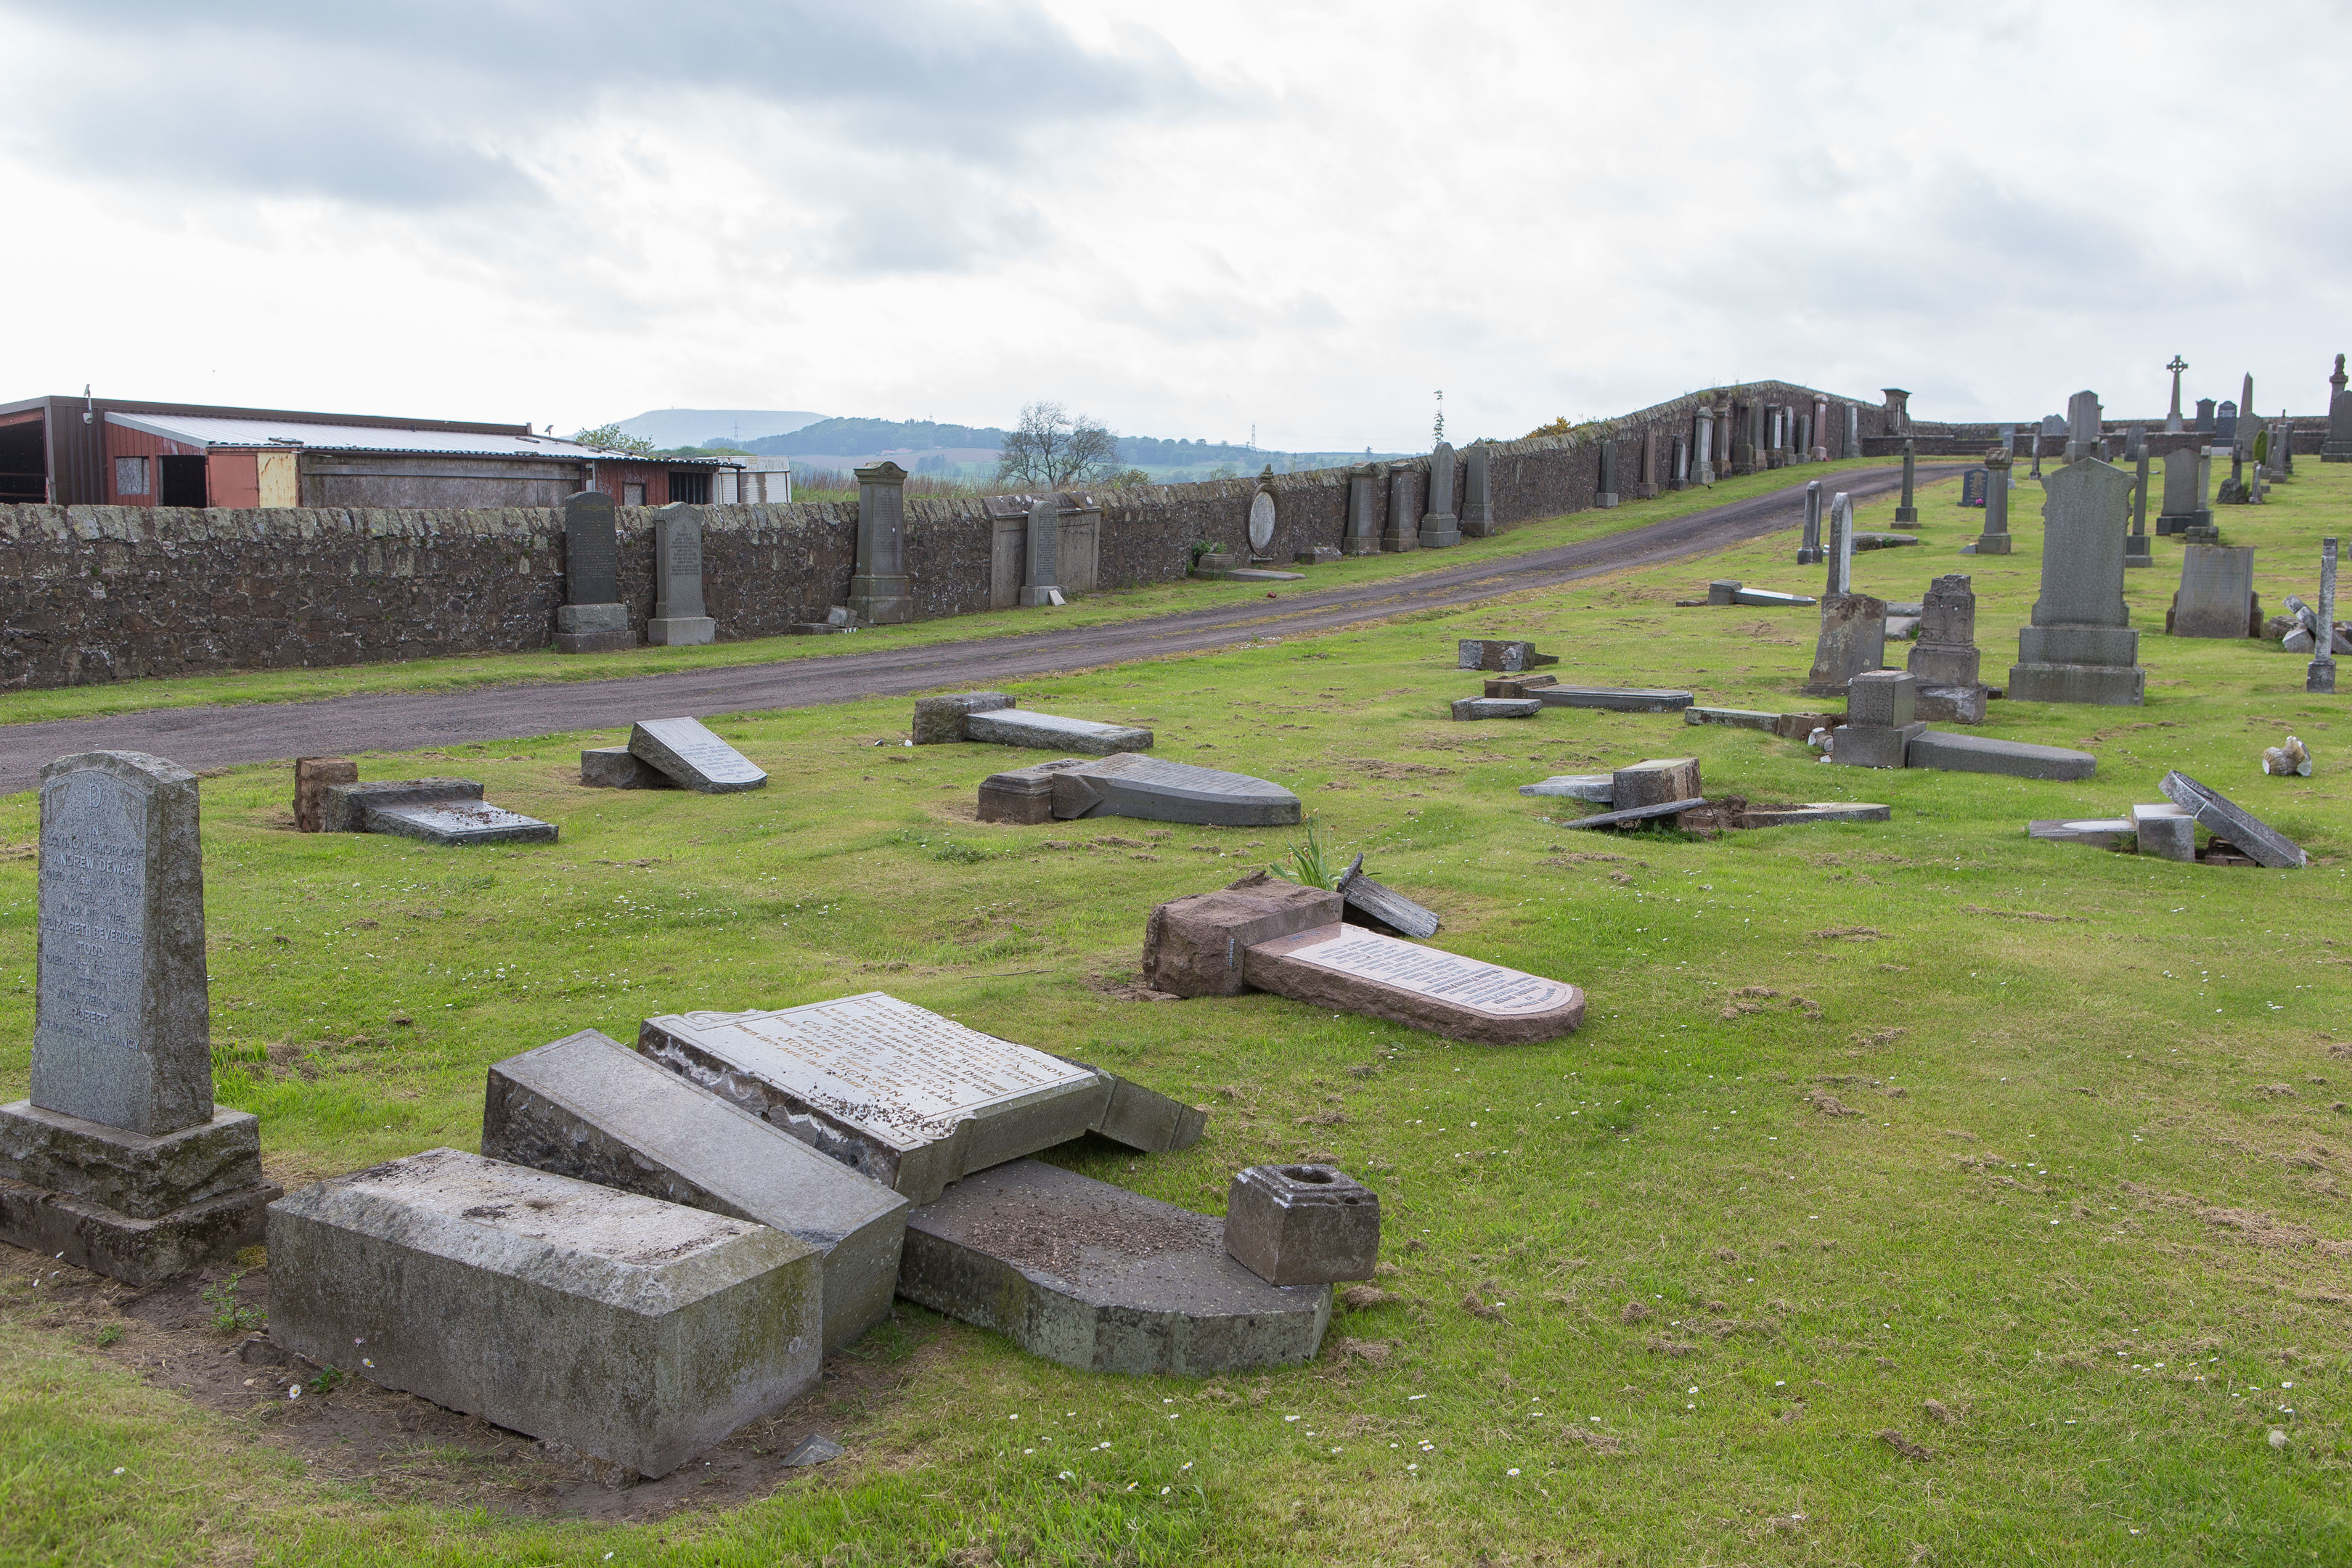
pixel 397 722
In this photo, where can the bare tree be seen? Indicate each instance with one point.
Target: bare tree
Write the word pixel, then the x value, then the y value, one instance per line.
pixel 1051 449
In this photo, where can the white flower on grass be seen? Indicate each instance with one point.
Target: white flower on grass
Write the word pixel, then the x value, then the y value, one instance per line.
pixel 2278 1439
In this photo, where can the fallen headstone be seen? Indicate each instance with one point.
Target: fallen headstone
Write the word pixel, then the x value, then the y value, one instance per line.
pixel 991 718
pixel 1883 541
pixel 313 776
pixel 940 720
pixel 636 1331
pixel 1381 907
pixel 1651 783
pixel 2166 831
pixel 693 757
pixel 2105 832
pixel 1466 709
pixel 118 1161
pixel 1156 790
pixel 1492 653
pixel 1814 811
pixel 1097 1277
pixel 589 1108
pixel 1518 685
pixel 438 811
pixel 1728 591
pixel 1984 754
pixel 1615 699
pixel 1598 788
pixel 1637 814
pixel 1733 718
pixel 2224 819
pixel 617 767
pixel 1302 1224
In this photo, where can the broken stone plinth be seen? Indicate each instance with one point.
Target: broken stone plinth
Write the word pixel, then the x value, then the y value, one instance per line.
pixel 1945 659
pixel 1022 795
pixel 1733 718
pixel 1654 782
pixel 1852 641
pixel 1880 726
pixel 938 721
pixel 637 1332
pixel 1985 754
pixel 908 1098
pixel 1302 1224
pixel 593 628
pixel 1497 654
pixel 589 1108
pixel 616 767
pixel 438 811
pixel 312 775
pixel 2262 844
pixel 691 756
pixel 1521 684
pixel 2166 831
pixel 1154 790
pixel 2080 646
pixel 1614 698
pixel 1193 947
pixel 1100 1279
pixel 118 1161
pixel 1639 814
pixel 1466 710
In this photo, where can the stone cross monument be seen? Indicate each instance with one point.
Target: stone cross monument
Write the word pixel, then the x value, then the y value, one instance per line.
pixel 2172 420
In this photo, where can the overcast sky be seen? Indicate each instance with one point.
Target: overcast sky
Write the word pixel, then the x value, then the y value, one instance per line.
pixel 1187 219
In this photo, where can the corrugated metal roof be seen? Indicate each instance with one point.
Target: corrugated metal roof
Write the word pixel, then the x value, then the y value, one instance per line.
pixel 294 434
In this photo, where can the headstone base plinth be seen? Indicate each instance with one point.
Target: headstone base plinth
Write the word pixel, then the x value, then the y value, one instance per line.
pixel 1320 556
pixel 593 628
pixel 1644 490
pixel 2320 676
pixel 89 1234
pixel 1393 541
pixel 1991 544
pixel 1907 517
pixel 1811 555
pixel 1873 746
pixel 1041 598
pixel 1359 544
pixel 881 601
pixel 616 767
pixel 1952 704
pixel 1442 539
pixel 1605 499
pixel 681 631
pixel 2101 685
pixel 2137 551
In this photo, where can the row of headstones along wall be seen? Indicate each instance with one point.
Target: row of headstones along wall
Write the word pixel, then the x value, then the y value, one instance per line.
pixel 95 594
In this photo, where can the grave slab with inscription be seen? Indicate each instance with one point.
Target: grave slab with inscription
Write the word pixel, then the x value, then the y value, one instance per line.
pixel 913 1100
pixel 686 751
pixel 1156 790
pixel 438 811
pixel 118 1161
pixel 1358 971
pixel 678 618
pixel 1053 732
pixel 592 619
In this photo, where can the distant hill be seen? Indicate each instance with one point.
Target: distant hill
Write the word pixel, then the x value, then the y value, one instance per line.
pixel 833 437
pixel 694 427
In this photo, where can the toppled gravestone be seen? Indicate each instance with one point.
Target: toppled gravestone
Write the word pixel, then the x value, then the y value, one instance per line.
pixel 689 754
pixel 589 1108
pixel 1499 654
pixel 1986 754
pixel 913 1100
pixel 1615 699
pixel 1466 710
pixel 1100 1278
pixel 1293 940
pixel 1129 784
pixel 990 717
pixel 1378 906
pixel 120 1162
pixel 438 811
pixel 636 1331
pixel 2260 843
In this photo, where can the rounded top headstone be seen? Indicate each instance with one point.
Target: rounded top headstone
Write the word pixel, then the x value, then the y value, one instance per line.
pixel 1261 520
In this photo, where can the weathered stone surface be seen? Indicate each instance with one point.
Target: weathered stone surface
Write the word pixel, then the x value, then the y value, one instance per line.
pixel 1985 754
pixel 1478 495
pixel 1358 971
pixel 591 551
pixel 1800 726
pixel 1654 782
pixel 2216 598
pixel 2166 831
pixel 588 1106
pixel 1382 908
pixel 940 720
pixel 1632 814
pixel 1814 811
pixel 347 805
pixel 311 778
pixel 1615 699
pixel 593 628
pixel 1157 790
pixel 453 823
pixel 909 1097
pixel 1103 1279
pixel 1731 718
pixel 139 1175
pixel 1316 555
pixel 1946 656
pixel 1853 640
pixel 880 593
pixel 2101 832
pixel 1520 685
pixel 1498 654
pixel 637 1332
pixel 1398 532
pixel 1881 697
pixel 2082 605
pixel 1302 1224
pixel 1051 732
pixel 686 751
pixel 2264 845
pixel 1468 709
pixel 1873 746
pixel 2185 503
pixel 616 767
pixel 89 1234
pixel 1146 1119
pixel 1598 788
pixel 1022 795
pixel 1440 529
pixel 1041 549
pixel 678 620
pixel 1193 946
pixel 1952 704
pixel 121 1018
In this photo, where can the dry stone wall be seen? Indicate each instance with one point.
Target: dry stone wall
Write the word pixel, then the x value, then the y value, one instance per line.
pixel 96 593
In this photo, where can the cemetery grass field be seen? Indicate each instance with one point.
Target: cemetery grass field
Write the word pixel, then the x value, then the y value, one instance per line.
pixel 460 672
pixel 1914 1193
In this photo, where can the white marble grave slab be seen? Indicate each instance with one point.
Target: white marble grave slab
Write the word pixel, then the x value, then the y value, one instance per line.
pixel 459 822
pixel 686 751
pixel 1483 987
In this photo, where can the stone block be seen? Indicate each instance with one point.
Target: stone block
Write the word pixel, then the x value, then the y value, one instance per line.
pixel 2109 685
pixel 347 805
pixel 89 1234
pixel 913 1100
pixel 589 1108
pixel 312 775
pixel 636 1331
pixel 1193 946
pixel 1951 704
pixel 1882 697
pixel 1498 654
pixel 1800 726
pixel 1615 699
pixel 1721 590
pixel 2100 832
pixel 1302 1224
pixel 681 631
pixel 2216 598
pixel 1348 969
pixel 1654 782
pixel 1768 599
pixel 1985 754
pixel 139 1175
pixel 459 822
pixel 1024 796
pixel 1051 732
pixel 1318 555
pixel 2166 831
pixel 1518 685
pixel 1732 718
pixel 1945 664
pixel 693 757
pixel 940 720
pixel 592 617
pixel 1598 788
pixel 616 767
pixel 1155 790
pixel 2223 818
pixel 1097 1277
pixel 1872 745
pixel 1467 708
pixel 1146 1119
pixel 2116 646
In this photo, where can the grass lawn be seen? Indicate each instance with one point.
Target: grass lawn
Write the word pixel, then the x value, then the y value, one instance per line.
pixel 2032 1155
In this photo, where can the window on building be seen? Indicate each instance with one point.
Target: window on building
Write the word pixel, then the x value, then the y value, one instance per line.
pixel 690 485
pixel 184 482
pixel 130 476
pixel 631 494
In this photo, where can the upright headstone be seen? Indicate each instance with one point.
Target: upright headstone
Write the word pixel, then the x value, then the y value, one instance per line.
pixel 1995 540
pixel 2338 448
pixel 1604 493
pixel 1364 536
pixel 2216 597
pixel 1743 437
pixel 1804 450
pixel 120 1162
pixel 1972 487
pixel 1400 532
pixel 1678 471
pixel 879 592
pixel 591 618
pixel 2184 496
pixel 2080 646
pixel 1852 641
pixel 1703 443
pixel 2282 447
pixel 1809 551
pixel 2172 420
pixel 1898 411
pixel 1853 445
pixel 678 618
pixel 2134 441
pixel 2248 422
pixel 2321 675
pixel 1440 529
pixel 1840 552
pixel 1262 517
pixel 1041 582
pixel 1821 451
pixel 1477 494
pixel 1647 487
pixel 1945 659
pixel 2083 427
pixel 2204 424
pixel 2036 455
pixel 2136 550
